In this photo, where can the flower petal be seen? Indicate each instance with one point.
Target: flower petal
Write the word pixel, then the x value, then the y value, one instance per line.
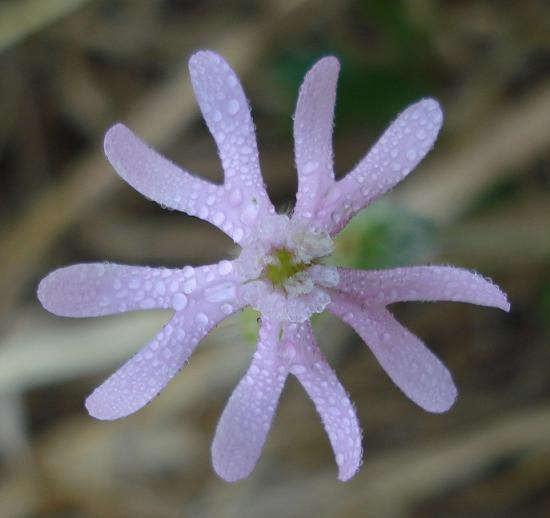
pixel 96 289
pixel 142 377
pixel 313 122
pixel 159 179
pixel 406 360
pixel 394 156
pixel 226 111
pixel 422 283
pixel 247 417
pixel 330 399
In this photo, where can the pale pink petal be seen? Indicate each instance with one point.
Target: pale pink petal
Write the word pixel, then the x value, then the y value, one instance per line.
pixel 96 289
pixel 330 398
pixel 394 156
pixel 227 114
pixel 247 417
pixel 160 180
pixel 406 360
pixel 313 122
pixel 422 283
pixel 142 377
pixel 92 290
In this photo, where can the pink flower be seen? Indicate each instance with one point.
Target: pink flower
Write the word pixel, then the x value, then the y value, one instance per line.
pixel 279 271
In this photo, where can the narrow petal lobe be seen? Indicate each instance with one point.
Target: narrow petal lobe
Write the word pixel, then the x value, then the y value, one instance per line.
pixel 142 377
pixel 96 289
pixel 313 123
pixel 247 417
pixel 400 149
pixel 406 360
pixel 421 283
pixel 329 397
pixel 227 114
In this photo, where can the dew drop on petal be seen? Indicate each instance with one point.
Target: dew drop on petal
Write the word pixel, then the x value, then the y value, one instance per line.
pixel 227 309
pixel 421 134
pixel 160 287
pixel 218 218
pixel 249 214
pixel 225 267
pixel 411 154
pixel 309 167
pixel 297 369
pixel 189 285
pixel 201 319
pixel 233 106
pixel 238 234
pixel 147 303
pixel 220 292
pixel 179 301
pixel 235 197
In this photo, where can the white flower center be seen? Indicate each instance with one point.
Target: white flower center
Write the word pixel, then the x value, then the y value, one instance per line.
pixel 286 280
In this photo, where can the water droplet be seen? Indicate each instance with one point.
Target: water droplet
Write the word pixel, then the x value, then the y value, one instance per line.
pixel 297 369
pixel 218 218
pixel 179 301
pixel 174 286
pixel 289 352
pixel 220 293
pixel 238 234
pixel 217 116
pixel 147 303
pixel 421 134
pixel 250 213
pixel 339 459
pixel 134 283
pixel 309 167
pixel 210 200
pixel 188 271
pixel 203 212
pixel 189 285
pixel 235 197
pixel 227 309
pixel 160 288
pixel 201 319
pixel 411 155
pixel 233 106
pixel 225 267
pixel 232 81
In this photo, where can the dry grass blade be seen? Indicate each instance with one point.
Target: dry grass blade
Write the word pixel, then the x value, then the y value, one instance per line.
pixel 443 189
pixel 21 18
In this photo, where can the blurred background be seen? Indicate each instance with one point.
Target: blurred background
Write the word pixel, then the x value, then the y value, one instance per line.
pixel 481 200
